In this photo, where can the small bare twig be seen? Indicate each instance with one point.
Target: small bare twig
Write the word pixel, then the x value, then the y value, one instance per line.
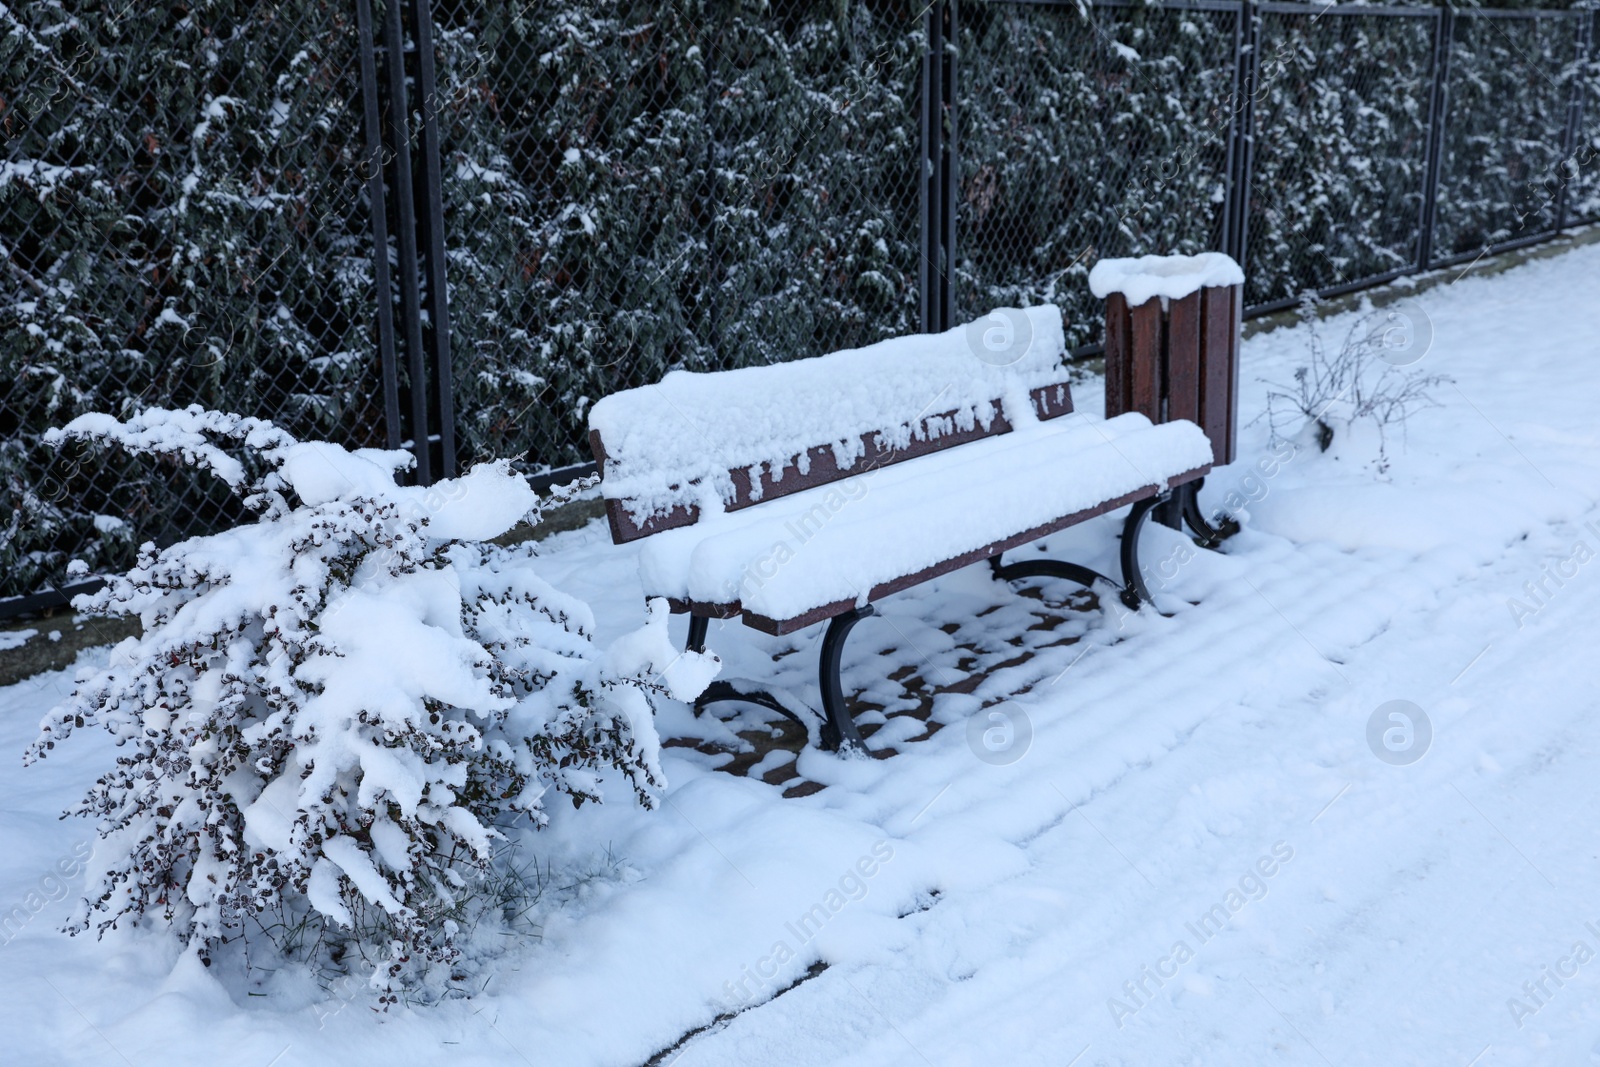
pixel 1347 385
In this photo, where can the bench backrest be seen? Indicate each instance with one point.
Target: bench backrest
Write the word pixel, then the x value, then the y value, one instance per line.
pixel 726 440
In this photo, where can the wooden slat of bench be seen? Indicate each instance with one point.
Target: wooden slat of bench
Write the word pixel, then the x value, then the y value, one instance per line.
pixel 1183 359
pixel 1119 400
pixel 1049 402
pixel 878 592
pixel 1236 337
pixel 679 606
pixel 623 528
pixel 1221 310
pixel 1144 360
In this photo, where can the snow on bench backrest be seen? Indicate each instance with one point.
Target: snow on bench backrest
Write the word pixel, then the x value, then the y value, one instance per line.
pixel 701 443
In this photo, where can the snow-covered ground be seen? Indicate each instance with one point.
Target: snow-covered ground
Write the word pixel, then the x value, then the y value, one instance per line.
pixel 1199 858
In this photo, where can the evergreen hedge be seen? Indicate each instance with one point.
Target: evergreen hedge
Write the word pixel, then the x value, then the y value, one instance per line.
pixel 182 220
pixel 639 185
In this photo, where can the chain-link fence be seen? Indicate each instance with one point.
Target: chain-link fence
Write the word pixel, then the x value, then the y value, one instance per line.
pixel 1084 135
pixel 182 221
pixel 661 184
pixel 1509 130
pixel 1340 164
pixel 617 188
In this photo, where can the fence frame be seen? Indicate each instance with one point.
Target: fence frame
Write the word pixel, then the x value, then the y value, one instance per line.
pixel 1584 53
pixel 1248 132
pixel 420 210
pixel 940 186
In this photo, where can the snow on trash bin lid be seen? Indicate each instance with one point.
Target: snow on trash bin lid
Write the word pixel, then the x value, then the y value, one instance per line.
pixel 1168 277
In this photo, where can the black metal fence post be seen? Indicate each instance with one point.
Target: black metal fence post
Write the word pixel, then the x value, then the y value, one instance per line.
pixel 1438 112
pixel 931 94
pixel 430 215
pixel 1230 205
pixel 939 190
pixel 1569 138
pixel 404 202
pixel 1248 68
pixel 381 282
pixel 950 160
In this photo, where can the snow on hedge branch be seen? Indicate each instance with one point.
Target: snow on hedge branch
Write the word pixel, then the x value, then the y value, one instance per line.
pixel 340 707
pixel 185 435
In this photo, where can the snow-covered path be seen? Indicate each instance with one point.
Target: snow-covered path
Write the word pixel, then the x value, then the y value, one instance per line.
pixel 1199 858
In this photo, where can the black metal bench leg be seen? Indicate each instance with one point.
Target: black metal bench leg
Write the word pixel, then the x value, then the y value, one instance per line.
pixel 839 731
pixel 1047 568
pixel 1134 591
pixel 698 624
pixel 739 690
pixel 1170 512
pixel 1210 536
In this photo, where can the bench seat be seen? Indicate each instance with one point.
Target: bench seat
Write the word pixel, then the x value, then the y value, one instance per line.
pixel 810 556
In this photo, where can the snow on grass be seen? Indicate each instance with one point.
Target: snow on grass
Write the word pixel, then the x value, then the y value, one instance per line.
pixel 1031 913
pixel 11 639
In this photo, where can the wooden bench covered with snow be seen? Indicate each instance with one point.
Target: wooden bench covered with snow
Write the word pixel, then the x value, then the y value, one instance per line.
pixel 802 492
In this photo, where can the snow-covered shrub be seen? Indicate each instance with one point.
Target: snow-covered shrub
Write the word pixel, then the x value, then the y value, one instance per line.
pixel 1352 383
pixel 335 710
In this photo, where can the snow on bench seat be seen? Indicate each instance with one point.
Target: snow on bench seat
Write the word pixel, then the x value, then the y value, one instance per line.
pixel 810 555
